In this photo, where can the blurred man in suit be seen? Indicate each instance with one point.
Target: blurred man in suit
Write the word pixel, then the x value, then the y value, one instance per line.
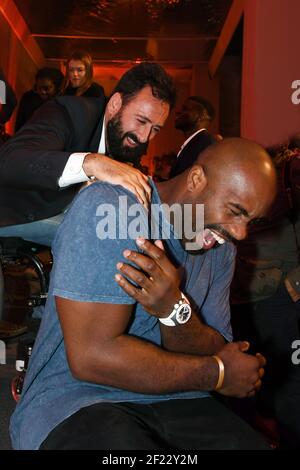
pixel 193 120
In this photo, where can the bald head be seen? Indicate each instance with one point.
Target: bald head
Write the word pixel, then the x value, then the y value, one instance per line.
pixel 235 181
pixel 236 154
pixel 240 163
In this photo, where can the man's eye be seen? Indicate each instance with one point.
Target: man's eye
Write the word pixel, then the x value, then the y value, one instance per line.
pixel 259 221
pixel 236 214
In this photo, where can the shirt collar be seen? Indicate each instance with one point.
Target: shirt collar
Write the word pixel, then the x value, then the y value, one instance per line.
pixel 190 138
pixel 102 146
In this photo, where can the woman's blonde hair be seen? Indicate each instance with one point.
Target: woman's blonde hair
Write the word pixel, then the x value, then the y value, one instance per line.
pixel 86 59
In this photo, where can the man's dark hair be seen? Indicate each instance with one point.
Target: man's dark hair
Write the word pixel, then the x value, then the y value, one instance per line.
pixel 147 74
pixel 205 107
pixel 51 73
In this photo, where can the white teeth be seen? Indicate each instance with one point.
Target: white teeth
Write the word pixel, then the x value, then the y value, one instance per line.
pixel 219 239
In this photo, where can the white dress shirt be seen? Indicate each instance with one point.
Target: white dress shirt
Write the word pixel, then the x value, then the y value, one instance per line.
pixel 73 172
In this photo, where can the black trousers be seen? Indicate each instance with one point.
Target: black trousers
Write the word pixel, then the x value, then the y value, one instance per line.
pixel 271 326
pixel 174 424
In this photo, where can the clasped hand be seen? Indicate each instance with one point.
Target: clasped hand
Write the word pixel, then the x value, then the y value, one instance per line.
pixel 157 281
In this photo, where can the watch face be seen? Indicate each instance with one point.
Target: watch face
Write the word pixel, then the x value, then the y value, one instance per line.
pixel 183 313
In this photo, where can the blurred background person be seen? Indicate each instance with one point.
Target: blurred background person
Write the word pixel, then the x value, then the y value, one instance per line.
pixel 79 76
pixel 193 119
pixel 265 297
pixel 48 81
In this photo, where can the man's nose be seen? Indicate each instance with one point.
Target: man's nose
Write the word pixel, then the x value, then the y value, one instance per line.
pixel 145 134
pixel 238 231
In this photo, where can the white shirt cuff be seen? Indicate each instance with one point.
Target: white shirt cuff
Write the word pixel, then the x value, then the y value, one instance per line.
pixel 73 172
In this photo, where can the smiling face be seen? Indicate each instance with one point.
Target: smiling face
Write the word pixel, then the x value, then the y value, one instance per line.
pixel 231 205
pixel 235 181
pixel 237 194
pixel 130 127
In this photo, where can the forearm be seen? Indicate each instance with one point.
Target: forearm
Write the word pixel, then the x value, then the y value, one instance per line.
pixel 23 168
pixel 193 338
pixel 125 359
pixel 36 156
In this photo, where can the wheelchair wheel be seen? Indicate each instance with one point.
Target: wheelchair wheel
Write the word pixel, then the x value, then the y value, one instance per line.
pixel 17 386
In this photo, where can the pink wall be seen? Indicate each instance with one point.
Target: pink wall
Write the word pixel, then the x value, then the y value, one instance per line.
pixel 270 64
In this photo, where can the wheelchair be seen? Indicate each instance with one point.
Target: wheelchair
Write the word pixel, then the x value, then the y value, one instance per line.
pixel 18 256
pixel 23 355
pixel 23 264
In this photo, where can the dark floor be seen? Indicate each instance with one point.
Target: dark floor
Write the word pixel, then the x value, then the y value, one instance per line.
pixel 7 373
pixel 20 282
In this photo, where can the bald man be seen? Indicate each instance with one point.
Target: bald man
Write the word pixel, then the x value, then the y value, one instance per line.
pixel 120 365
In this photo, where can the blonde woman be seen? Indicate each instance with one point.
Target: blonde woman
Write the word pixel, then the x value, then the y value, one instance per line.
pixel 79 76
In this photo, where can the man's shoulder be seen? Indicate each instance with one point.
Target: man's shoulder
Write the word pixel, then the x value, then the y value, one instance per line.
pixel 105 193
pixel 197 144
pixel 102 212
pixel 79 105
pixel 203 136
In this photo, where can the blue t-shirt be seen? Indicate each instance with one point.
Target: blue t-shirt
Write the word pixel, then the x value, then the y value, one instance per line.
pixel 84 269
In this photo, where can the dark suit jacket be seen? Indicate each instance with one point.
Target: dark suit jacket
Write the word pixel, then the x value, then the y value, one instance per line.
pixel 29 103
pixel 191 151
pixel 33 160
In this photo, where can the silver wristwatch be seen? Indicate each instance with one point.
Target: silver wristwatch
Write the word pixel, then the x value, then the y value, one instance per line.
pixel 180 314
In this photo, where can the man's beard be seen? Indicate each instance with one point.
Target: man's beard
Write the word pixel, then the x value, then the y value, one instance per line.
pixel 115 143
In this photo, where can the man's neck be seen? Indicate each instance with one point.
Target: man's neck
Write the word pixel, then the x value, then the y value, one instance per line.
pixel 168 192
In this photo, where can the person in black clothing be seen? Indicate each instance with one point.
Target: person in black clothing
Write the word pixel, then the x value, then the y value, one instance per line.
pixel 193 120
pixel 265 297
pixel 68 142
pixel 48 81
pixel 79 77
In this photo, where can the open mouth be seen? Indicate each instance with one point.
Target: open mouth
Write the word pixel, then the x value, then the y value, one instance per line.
pixel 210 238
pixel 130 142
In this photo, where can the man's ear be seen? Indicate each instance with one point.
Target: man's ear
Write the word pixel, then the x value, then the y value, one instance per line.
pixel 114 105
pixel 197 179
